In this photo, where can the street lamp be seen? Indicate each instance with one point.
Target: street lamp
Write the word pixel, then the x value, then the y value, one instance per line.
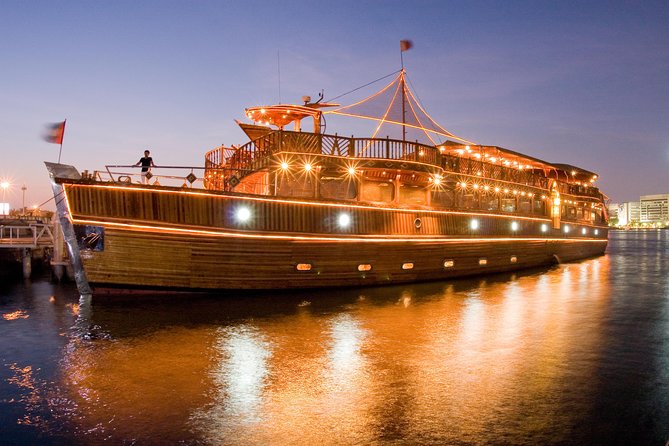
pixel 23 204
pixel 4 185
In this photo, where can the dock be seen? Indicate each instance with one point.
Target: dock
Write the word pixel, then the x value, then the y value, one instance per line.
pixel 26 238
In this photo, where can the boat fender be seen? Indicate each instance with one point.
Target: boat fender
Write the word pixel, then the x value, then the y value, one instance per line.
pixel 124 179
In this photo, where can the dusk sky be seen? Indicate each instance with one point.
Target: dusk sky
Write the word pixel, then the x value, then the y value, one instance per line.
pixel 583 83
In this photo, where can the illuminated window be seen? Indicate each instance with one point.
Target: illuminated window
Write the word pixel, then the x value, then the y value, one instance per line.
pixel 344 220
pixel 408 265
pixel 483 261
pixel 513 259
pixel 243 214
pixel 449 263
pixel 364 267
pixel 303 267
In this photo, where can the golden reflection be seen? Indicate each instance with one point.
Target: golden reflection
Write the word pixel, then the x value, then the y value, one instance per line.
pixel 19 314
pixel 433 363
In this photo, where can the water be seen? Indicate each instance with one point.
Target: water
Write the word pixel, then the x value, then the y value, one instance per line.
pixel 574 354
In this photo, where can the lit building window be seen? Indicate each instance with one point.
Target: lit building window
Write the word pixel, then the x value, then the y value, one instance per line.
pixel 303 267
pixel 449 263
pixel 408 265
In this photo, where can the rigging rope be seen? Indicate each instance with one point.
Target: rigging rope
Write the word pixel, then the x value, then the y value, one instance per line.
pixel 363 86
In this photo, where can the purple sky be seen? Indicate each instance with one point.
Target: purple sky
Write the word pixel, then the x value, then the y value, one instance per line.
pixel 584 83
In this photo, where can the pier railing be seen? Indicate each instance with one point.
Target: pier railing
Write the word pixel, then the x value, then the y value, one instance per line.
pixel 26 236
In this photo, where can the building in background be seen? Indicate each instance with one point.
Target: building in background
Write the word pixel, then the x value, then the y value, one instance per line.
pixel 655 209
pixel 651 211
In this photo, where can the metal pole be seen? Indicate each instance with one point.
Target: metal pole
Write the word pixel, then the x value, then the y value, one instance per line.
pixel 23 208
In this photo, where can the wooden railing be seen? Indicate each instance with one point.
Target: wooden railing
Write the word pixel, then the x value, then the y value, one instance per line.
pixel 256 155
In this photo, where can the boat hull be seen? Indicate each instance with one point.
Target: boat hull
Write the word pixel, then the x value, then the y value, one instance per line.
pixel 146 259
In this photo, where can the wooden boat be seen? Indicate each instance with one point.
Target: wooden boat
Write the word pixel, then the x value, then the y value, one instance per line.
pixel 298 209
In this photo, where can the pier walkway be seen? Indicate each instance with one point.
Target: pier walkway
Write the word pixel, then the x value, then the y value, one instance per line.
pixel 26 234
pixel 24 239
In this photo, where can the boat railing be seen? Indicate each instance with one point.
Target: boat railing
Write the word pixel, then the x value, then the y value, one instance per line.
pixel 255 154
pixel 175 176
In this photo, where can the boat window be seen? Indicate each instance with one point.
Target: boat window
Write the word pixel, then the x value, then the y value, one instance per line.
pixel 490 202
pixel 411 194
pixel 539 206
pixel 579 213
pixel 469 200
pixel 444 197
pixel 295 187
pixel 524 205
pixel 338 188
pixel 509 204
pixel 379 191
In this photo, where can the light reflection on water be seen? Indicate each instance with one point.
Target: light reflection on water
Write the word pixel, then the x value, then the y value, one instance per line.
pixel 575 354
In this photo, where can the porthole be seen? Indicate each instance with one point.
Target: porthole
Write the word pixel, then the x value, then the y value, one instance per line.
pixel 364 267
pixel 513 259
pixel 407 265
pixel 303 267
pixel 417 223
pixel 448 263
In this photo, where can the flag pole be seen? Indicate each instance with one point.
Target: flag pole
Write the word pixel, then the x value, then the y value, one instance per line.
pixel 62 136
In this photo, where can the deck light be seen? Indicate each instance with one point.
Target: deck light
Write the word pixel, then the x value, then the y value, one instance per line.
pixel 448 263
pixel 584 231
pixel 514 225
pixel 474 224
pixel 566 229
pixel 475 186
pixel 351 170
pixel 284 165
pixel 497 189
pixel 544 227
pixel 344 220
pixel 506 191
pixel 243 214
pixel 308 167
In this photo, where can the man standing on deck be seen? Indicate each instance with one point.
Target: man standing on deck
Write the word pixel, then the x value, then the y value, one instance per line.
pixel 147 163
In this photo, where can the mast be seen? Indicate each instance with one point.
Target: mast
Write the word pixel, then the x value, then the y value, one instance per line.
pixel 403 86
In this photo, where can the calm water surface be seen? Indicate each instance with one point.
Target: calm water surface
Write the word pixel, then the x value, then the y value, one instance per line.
pixel 575 354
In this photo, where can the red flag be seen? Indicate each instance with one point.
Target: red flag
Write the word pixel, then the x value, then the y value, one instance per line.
pixel 55 132
pixel 405 45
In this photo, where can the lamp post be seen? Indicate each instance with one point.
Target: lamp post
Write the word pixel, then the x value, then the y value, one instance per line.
pixel 4 185
pixel 23 204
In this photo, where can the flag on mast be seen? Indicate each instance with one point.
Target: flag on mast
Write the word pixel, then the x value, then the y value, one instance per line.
pixel 405 45
pixel 55 132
